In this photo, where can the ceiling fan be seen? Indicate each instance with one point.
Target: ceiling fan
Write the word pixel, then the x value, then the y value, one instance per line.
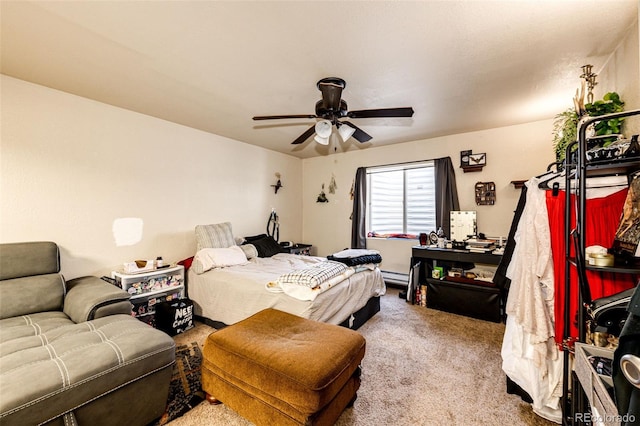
pixel 331 108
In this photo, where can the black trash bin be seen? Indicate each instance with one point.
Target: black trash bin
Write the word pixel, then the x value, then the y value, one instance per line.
pixel 175 316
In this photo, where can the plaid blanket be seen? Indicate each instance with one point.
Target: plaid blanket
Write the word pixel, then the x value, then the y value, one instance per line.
pixel 315 275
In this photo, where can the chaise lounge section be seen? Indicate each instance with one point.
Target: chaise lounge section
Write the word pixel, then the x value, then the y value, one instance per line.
pixel 70 352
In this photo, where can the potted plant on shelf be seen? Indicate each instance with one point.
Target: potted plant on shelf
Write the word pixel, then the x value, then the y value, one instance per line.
pixel 565 125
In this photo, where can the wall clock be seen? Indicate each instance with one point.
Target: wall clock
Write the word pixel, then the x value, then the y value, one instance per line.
pixel 464 158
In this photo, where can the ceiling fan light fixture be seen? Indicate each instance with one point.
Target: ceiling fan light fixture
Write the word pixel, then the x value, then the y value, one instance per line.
pixel 330 109
pixel 345 132
pixel 323 128
pixel 321 140
pixel 323 132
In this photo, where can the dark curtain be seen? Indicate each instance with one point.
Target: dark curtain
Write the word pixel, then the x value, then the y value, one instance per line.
pixel 446 193
pixel 358 217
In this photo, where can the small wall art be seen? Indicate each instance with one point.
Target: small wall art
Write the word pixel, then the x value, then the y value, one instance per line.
pixel 485 193
pixel 278 184
pixel 332 184
pixel 322 197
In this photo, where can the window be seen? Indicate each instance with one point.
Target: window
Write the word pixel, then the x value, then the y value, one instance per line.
pixel 401 199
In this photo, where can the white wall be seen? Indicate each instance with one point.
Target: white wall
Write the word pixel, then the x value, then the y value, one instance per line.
pixel 622 74
pixel 70 166
pixel 513 153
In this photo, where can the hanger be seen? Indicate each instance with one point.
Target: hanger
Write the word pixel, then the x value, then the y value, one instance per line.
pixel 555 183
pixel 551 177
pixel 553 180
pixel 549 171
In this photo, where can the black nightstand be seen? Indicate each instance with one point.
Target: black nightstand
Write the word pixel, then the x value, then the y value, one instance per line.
pixel 301 249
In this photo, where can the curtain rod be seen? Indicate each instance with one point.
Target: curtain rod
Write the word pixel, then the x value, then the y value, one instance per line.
pixel 405 162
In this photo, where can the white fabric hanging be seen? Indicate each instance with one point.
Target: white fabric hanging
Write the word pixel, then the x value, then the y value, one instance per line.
pixel 529 355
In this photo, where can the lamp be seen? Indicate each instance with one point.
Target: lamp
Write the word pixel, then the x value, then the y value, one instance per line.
pixel 323 132
pixel 346 132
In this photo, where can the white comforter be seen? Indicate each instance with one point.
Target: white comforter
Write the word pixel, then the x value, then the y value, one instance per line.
pixel 234 293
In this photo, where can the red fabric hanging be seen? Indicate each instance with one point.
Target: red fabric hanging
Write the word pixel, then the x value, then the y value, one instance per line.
pixel 601 221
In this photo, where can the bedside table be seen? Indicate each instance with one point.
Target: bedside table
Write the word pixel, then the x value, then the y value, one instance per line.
pixel 301 249
pixel 150 288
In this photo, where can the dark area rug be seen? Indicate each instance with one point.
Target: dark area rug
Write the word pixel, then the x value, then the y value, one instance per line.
pixel 185 390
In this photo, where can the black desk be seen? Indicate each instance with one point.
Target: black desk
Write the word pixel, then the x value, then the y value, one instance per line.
pixel 478 299
pixel 426 252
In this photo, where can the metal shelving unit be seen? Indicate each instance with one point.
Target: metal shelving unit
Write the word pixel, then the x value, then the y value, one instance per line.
pixel 576 177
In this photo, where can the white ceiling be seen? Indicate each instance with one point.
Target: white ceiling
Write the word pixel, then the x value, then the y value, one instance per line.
pixel 212 65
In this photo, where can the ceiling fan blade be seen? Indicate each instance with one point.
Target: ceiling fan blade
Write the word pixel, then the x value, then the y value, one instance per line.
pixel 277 117
pixel 381 112
pixel 303 137
pixel 359 134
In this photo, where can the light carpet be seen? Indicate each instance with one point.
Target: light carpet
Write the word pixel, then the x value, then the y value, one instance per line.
pixel 421 367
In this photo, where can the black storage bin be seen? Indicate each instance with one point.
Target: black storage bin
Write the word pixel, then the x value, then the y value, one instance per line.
pixel 175 316
pixel 477 301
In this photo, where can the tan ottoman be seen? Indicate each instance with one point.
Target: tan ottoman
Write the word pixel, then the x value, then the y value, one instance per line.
pixel 277 368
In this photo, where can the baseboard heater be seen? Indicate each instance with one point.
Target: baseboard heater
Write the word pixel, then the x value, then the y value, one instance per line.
pixel 395 279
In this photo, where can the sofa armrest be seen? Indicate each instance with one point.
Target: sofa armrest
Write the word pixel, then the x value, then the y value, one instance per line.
pixel 90 298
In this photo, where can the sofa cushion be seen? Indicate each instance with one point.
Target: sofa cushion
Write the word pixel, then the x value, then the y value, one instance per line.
pixel 26 259
pixel 50 365
pixel 26 295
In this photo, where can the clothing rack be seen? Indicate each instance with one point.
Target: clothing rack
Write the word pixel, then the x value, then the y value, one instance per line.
pixel 578 171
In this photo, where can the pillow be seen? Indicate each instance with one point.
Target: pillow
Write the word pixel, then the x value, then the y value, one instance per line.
pixel 218 235
pixel 249 250
pixel 209 258
pixel 186 263
pixel 266 245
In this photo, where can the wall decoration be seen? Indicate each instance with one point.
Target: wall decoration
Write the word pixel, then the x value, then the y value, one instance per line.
pixel 470 162
pixel 332 184
pixel 485 193
pixel 565 123
pixel 322 197
pixel 464 158
pixel 278 184
pixel 478 159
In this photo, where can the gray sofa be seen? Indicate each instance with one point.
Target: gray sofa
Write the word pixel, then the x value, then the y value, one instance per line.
pixel 70 352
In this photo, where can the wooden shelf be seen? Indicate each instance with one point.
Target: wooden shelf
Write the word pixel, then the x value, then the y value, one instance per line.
pixel 517 184
pixel 468 169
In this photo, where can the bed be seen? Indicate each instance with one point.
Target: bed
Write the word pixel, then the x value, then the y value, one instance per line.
pixel 224 295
